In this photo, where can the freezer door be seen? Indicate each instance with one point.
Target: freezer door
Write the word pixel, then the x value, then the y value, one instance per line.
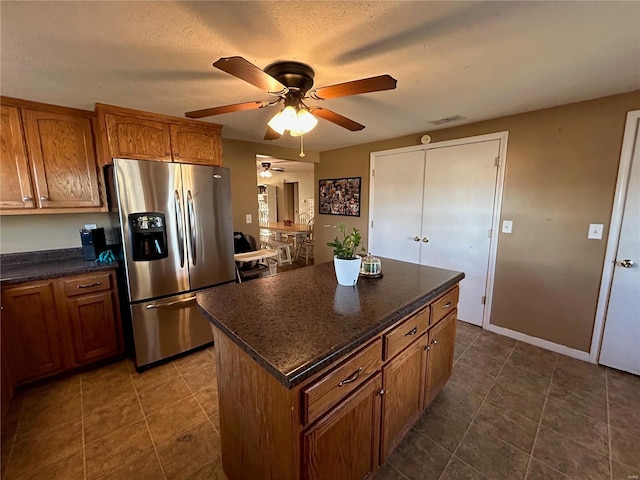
pixel 209 226
pixel 148 186
pixel 167 327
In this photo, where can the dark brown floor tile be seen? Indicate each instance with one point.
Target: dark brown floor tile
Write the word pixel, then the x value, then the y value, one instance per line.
pixel 458 470
pixel 594 386
pixel 200 378
pixel 507 425
pixel 208 400
pixel 569 457
pixel 623 388
pixel 465 328
pixel 490 347
pixel 116 372
pixel 540 471
pixel 624 472
pixel 578 368
pixel 487 364
pixel 541 355
pixel 36 420
pixel 154 376
pixel 584 430
pixel 190 451
pixel 12 418
pixel 492 457
pixel 625 418
pixel 146 466
pixel 525 379
pixel 490 338
pixel 117 449
pixel 386 472
pixel 174 419
pixel 194 361
pixel 471 379
pixel 215 421
pixel 464 403
pixel 50 445
pixel 113 415
pixel 417 457
pixel 44 396
pixel 68 468
pixel 511 396
pixel 5 454
pixel 163 394
pixel 625 448
pixel 98 395
pixel 533 359
pixel 594 406
pixel 442 426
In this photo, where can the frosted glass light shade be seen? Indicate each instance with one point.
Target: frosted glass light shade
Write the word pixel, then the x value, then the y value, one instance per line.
pixel 298 123
pixel 305 122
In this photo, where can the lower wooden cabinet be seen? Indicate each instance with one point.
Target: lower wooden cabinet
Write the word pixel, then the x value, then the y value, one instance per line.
pixel 50 328
pixel 441 342
pixel 345 443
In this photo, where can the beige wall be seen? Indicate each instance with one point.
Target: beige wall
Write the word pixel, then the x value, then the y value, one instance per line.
pixel 561 172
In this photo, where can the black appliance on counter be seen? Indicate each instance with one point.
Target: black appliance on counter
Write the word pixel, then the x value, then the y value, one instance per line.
pixel 93 243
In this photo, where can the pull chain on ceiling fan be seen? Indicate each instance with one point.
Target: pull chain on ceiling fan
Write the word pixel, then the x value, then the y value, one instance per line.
pixel 291 83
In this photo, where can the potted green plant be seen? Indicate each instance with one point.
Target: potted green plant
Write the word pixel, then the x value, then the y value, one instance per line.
pixel 345 260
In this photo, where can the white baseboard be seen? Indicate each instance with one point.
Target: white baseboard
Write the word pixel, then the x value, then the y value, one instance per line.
pixel 539 342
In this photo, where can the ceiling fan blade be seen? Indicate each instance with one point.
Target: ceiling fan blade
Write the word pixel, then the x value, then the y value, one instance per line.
pixel 236 107
pixel 355 87
pixel 247 71
pixel 271 134
pixel 336 118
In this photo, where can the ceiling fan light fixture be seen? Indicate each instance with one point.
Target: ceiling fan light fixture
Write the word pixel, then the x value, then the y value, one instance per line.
pixel 305 122
pixel 298 122
pixel 266 173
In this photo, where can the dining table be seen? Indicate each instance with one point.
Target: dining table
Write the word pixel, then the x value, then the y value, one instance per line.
pixel 280 229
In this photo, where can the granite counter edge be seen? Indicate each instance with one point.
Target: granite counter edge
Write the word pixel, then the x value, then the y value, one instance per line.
pixel 13 279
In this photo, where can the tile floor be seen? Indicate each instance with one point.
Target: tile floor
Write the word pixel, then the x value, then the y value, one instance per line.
pixel 510 411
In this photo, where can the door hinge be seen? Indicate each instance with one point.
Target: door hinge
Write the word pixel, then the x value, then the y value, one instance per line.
pixel 497 162
pixel 490 232
pixel 373 172
pixel 371 223
pixel 484 299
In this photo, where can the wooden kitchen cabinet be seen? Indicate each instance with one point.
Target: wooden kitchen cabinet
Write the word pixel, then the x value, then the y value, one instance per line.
pixel 48 159
pixel 441 343
pixel 127 133
pixel 60 324
pixel 345 443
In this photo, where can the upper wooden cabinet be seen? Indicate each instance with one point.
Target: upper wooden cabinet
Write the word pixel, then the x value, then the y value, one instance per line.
pixel 140 135
pixel 48 159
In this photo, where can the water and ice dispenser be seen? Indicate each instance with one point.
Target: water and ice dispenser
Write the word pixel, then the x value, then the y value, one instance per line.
pixel 148 236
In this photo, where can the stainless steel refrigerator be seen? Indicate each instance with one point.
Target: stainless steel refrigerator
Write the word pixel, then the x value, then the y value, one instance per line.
pixel 177 237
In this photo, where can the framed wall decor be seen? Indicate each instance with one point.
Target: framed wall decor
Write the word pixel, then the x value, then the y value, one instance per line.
pixel 340 196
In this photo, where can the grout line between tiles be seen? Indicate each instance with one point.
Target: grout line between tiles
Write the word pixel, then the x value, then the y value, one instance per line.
pixel 606 393
pixel 544 405
pixel 14 439
pixel 193 394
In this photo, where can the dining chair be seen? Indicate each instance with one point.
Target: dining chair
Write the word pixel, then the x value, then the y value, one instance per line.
pixel 305 247
pixel 303 218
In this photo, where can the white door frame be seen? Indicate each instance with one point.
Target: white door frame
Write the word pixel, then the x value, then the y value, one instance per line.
pixel 497 202
pixel 615 226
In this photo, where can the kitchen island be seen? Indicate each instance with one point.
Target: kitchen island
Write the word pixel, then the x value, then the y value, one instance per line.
pixel 316 380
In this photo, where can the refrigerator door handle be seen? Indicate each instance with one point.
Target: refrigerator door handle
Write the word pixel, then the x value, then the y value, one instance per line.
pixel 170 304
pixel 191 213
pixel 178 209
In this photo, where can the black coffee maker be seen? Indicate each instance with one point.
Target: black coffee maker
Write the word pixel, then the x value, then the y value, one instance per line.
pixel 148 236
pixel 93 243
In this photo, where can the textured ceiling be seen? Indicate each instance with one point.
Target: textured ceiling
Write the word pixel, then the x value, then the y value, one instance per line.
pixel 478 60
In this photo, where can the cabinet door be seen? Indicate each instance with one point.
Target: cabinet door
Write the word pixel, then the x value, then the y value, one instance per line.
pixel 93 326
pixel 345 443
pixel 403 384
pixel 61 150
pixel 195 144
pixel 15 181
pixel 440 356
pixel 132 137
pixel 29 318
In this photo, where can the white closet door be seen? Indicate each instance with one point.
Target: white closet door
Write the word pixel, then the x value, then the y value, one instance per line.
pixel 459 193
pixel 397 206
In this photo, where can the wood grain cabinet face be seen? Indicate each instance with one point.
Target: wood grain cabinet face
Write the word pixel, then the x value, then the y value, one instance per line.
pixel 195 144
pixel 61 151
pixel 344 444
pixel 30 321
pixel 441 342
pixel 15 181
pixel 137 138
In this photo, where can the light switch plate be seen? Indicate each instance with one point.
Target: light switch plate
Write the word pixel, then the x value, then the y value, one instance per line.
pixel 90 226
pixel 507 226
pixel 595 231
pixel 248 218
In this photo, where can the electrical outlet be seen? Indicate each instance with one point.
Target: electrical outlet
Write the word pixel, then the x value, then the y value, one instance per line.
pixel 248 218
pixel 595 231
pixel 507 226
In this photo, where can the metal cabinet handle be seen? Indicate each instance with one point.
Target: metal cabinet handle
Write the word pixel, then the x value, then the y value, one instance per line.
pixel 89 285
pixel 170 304
pixel 382 391
pixel 413 331
pixel 26 199
pixel 167 154
pixel 434 341
pixel 416 239
pixel 425 239
pixel 447 305
pixel 44 198
pixel 176 154
pixel 352 378
pixel 627 263
pixel 427 348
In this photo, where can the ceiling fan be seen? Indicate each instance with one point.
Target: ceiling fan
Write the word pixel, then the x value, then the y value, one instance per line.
pixel 267 169
pixel 290 82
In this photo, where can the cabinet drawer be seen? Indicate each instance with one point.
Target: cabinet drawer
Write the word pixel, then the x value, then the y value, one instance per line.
pixel 401 336
pixel 94 282
pixel 341 381
pixel 444 305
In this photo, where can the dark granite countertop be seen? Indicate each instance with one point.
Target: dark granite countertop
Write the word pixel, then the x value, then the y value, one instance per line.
pixel 25 267
pixel 296 323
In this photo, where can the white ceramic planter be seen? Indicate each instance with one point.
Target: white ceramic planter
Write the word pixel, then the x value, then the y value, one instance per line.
pixel 347 270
